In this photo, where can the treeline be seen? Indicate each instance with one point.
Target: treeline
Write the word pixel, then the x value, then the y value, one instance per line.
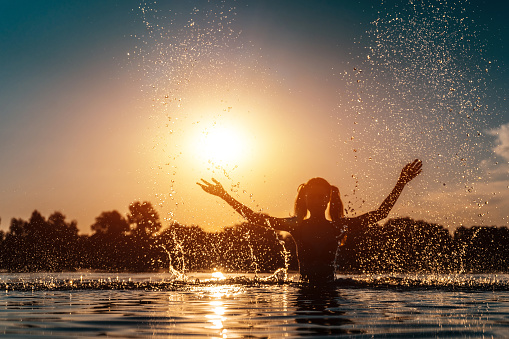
pixel 407 245
pixel 138 242
pixel 135 243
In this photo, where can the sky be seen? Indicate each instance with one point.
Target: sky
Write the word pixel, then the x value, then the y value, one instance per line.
pixel 104 103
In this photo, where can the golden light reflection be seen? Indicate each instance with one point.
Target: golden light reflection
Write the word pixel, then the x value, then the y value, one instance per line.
pixel 218 275
pixel 217 308
pixel 217 292
pixel 216 318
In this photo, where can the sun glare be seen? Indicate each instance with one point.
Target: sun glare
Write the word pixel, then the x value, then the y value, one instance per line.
pixel 221 145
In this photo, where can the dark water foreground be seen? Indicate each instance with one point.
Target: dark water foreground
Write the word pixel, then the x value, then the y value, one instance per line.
pixel 152 305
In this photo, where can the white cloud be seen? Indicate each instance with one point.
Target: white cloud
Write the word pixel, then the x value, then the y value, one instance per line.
pixel 502 134
pixel 482 200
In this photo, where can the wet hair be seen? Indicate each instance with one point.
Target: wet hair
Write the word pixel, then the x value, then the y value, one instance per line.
pixel 336 210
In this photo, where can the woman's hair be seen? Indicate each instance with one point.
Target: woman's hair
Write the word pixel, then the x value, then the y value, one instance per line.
pixel 336 209
pixel 335 204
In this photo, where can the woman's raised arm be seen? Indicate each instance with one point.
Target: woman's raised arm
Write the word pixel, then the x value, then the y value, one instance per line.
pixel 410 171
pixel 253 217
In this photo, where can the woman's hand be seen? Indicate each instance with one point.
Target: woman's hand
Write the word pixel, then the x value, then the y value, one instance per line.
pixel 410 171
pixel 214 189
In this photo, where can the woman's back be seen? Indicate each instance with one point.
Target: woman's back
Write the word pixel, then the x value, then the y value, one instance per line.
pixel 316 245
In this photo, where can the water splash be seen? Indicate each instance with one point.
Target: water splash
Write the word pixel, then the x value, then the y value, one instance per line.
pixel 181 42
pixel 195 69
pixel 420 86
pixel 423 75
pixel 463 282
pixel 177 275
pixel 254 263
pixel 286 256
pixel 463 250
pixel 179 248
pixel 165 282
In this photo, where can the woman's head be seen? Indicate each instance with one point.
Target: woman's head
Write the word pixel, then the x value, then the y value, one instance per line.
pixel 315 195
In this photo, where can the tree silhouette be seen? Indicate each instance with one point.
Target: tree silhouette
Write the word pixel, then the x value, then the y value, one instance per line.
pixel 137 242
pixel 185 248
pixel 110 223
pixel 110 244
pixel 144 219
pixel 145 223
pixel 400 245
pixel 40 244
pixel 61 242
pixel 482 249
pixel 15 251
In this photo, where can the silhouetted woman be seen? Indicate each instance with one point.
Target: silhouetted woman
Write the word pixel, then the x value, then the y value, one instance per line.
pixel 315 235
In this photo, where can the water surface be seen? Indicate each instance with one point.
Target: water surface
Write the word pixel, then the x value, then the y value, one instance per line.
pixel 152 305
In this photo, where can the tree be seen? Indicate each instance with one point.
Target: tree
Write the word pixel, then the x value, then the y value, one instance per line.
pixel 61 243
pixel 400 245
pixel 482 249
pixel 144 219
pixel 145 223
pixel 108 247
pixel 14 251
pixel 111 223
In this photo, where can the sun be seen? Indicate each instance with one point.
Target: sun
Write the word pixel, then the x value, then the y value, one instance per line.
pixel 221 144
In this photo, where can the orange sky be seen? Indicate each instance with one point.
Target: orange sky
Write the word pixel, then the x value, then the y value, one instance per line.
pixel 130 114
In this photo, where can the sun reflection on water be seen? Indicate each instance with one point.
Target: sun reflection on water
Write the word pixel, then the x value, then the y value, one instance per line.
pixel 218 275
pixel 217 315
pixel 217 306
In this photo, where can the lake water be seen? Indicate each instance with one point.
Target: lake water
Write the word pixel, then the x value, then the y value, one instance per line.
pixel 158 305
